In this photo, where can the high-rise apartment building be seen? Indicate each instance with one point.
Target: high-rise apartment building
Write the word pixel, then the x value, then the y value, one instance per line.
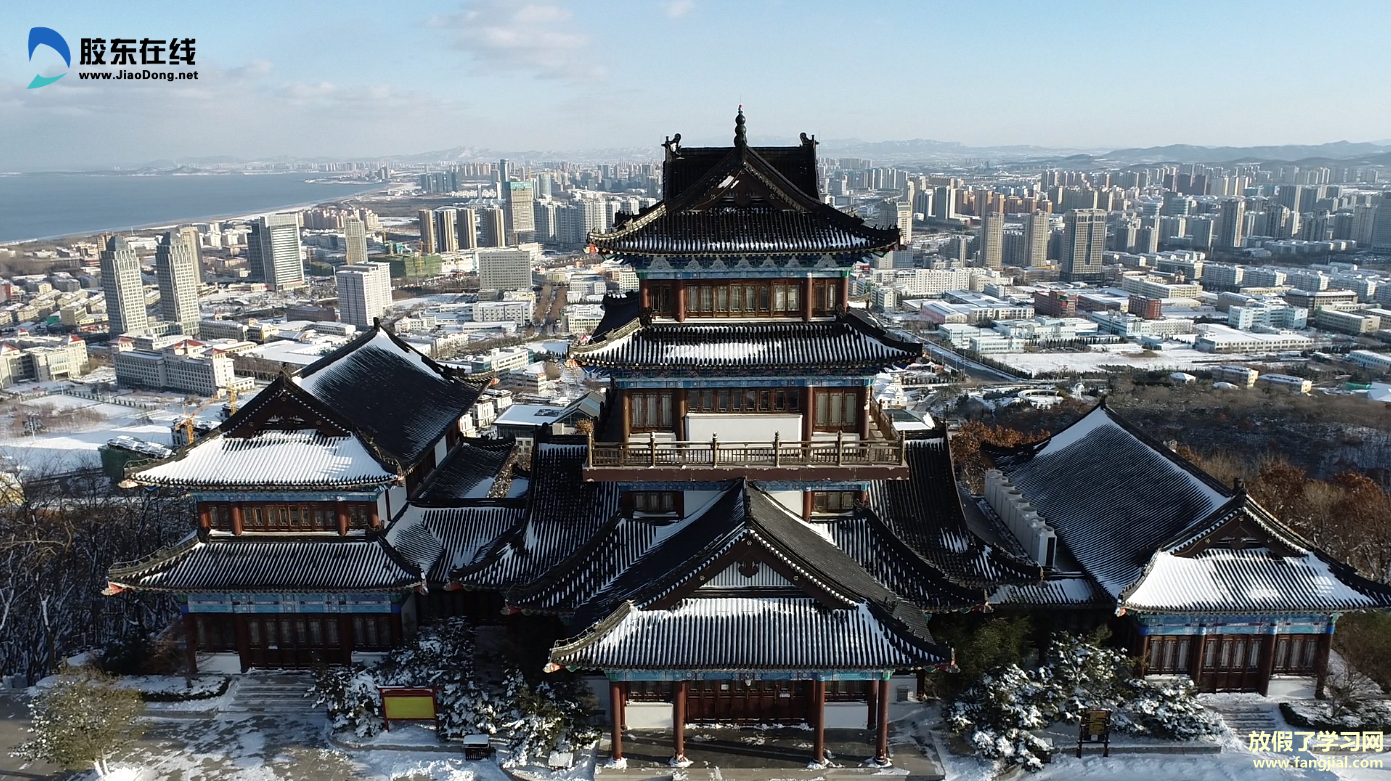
pixel 1084 239
pixel 493 227
pixel 1381 225
pixel 121 284
pixel 521 212
pixel 466 229
pixel 1230 221
pixel 178 283
pixel 944 203
pixel 446 230
pixel 1038 230
pixel 273 251
pixel 189 234
pixel 364 292
pixel 429 238
pixel 992 239
pixel 355 231
pixel 903 213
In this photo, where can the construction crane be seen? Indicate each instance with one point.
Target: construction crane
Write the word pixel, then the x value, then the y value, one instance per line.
pixel 186 425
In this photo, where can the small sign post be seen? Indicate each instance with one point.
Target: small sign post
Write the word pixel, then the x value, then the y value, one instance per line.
pixel 400 703
pixel 1095 728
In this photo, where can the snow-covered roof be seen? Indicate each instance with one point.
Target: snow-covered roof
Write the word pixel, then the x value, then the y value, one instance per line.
pixel 746 633
pixel 1245 581
pixel 272 460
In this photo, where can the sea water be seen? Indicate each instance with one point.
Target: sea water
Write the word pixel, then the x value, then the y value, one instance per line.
pixel 49 205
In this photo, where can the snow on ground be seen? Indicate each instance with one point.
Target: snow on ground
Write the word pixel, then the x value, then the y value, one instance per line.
pixel 1129 355
pixel 50 452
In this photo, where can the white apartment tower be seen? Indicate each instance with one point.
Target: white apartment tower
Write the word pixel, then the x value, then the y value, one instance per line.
pixel 175 270
pixel 189 234
pixel 125 294
pixel 355 231
pixel 364 292
pixel 274 252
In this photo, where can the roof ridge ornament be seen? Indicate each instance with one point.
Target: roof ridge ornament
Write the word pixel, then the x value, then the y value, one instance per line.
pixel 740 139
pixel 673 146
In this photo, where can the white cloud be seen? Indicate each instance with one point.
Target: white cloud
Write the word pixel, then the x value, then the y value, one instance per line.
pixel 537 38
pixel 678 8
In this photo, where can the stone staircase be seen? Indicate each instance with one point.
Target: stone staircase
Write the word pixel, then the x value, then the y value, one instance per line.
pixel 271 691
pixel 1246 716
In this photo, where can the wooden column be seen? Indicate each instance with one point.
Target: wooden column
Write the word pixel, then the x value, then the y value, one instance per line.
pixel 844 294
pixel 627 414
pixel 872 705
pixel 644 295
pixel 1144 654
pixel 807 505
pixel 806 299
pixel 1197 647
pixel 881 743
pixel 683 407
pixel 190 622
pixel 205 520
pixel 680 286
pixel 864 421
pixel 808 412
pixel 1321 661
pixel 616 720
pixel 818 703
pixel 1267 663
pixel 236 518
pixel 678 721
pixel 341 510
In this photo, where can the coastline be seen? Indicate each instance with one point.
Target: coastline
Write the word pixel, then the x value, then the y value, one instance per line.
pixel 170 223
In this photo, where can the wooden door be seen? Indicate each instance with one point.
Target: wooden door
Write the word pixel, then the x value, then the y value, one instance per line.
pixel 293 641
pixel 1232 663
pixel 756 702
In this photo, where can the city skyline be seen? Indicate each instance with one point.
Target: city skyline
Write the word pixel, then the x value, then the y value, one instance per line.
pixel 545 76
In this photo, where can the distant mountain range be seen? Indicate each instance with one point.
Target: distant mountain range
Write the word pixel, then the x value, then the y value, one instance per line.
pixel 918 150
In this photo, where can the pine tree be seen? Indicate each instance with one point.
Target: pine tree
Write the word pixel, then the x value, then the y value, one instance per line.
pixel 83 720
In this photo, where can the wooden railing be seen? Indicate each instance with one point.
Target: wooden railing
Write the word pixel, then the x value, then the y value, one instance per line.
pixel 714 453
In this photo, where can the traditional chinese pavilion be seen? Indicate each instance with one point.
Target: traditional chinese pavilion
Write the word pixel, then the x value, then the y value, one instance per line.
pixel 744 536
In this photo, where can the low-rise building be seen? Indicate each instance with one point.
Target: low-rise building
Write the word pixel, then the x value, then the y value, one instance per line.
pixel 1355 323
pixel 1370 360
pixel 1224 339
pixel 175 364
pixel 43 359
pixel 1236 375
pixel 1285 382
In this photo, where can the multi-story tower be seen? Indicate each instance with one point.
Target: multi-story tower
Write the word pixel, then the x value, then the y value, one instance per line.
pixel 1084 239
pixel 521 212
pixel 355 231
pixel 493 228
pixel 1038 230
pixel 274 253
pixel 1229 224
pixel 466 228
pixel 120 282
pixel 189 234
pixel 429 239
pixel 446 230
pixel 178 283
pixel 992 238
pixel 364 291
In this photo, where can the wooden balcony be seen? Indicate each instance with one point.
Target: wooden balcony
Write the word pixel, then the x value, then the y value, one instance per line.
pixel 836 459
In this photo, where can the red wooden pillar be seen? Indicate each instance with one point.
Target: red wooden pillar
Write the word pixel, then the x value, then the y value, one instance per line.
pixel 864 413
pixel 806 299
pixel 844 301
pixel 678 721
pixel 881 743
pixel 1198 647
pixel 680 300
pixel 808 413
pixel 616 705
pixel 236 519
pixel 872 705
pixel 205 520
pixel 645 295
pixel 818 696
pixel 341 510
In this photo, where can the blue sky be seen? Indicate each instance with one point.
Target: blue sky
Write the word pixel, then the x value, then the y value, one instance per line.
pixel 364 79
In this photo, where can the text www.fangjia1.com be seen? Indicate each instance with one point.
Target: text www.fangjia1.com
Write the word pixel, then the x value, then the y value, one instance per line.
pixel 1317 763
pixel 143 75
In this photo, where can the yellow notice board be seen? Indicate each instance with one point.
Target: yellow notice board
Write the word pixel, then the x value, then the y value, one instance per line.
pixel 399 704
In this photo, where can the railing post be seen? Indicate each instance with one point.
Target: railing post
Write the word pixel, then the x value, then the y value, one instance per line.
pixel 714 450
pixel 652 446
pixel 589 451
pixel 840 448
pixel 777 448
pixel 902 450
